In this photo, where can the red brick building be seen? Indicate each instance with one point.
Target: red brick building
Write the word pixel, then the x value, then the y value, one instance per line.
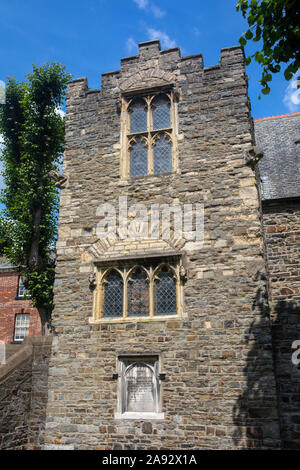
pixel 18 317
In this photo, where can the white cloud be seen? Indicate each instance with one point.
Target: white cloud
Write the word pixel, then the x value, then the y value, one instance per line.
pixel 291 98
pixel 157 12
pixel 196 32
pixel 150 7
pixel 142 4
pixel 165 40
pixel 131 46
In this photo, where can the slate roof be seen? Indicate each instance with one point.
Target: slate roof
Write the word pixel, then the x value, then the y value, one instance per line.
pixel 280 166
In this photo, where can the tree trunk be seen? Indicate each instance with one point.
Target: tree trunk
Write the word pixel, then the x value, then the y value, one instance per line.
pixel 34 260
pixel 45 317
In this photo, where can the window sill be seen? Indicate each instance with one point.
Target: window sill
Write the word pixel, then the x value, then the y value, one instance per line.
pixel 132 179
pixel 93 321
pixel 139 415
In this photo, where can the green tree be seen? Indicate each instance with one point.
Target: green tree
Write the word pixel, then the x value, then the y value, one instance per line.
pixel 33 133
pixel 277 24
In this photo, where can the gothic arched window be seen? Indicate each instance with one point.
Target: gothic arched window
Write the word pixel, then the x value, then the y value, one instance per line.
pixel 165 293
pixel 162 155
pixel 138 294
pixel 113 295
pixel 138 159
pixel 138 116
pixel 161 112
pixel 148 134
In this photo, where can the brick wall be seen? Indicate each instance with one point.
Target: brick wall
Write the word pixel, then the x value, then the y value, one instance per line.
pixel 282 231
pixel 10 305
pixel 220 389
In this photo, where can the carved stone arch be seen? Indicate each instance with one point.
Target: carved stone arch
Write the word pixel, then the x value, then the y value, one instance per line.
pixel 161 266
pixel 142 80
pixel 107 271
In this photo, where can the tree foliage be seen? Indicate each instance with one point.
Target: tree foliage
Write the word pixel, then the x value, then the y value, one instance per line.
pixel 277 24
pixel 33 133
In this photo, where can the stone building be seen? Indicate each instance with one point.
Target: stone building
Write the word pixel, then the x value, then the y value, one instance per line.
pixel 280 195
pixel 128 369
pixel 172 263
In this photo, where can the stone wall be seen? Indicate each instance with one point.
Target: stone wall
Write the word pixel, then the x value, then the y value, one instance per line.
pixel 282 231
pixel 23 395
pixel 219 390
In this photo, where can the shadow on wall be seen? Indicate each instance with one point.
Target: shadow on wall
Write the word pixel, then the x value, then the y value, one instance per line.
pixel 285 332
pixel 255 413
pixel 266 398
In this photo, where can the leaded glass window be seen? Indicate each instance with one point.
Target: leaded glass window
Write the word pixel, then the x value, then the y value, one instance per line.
pixel 165 293
pixel 113 295
pixel 138 291
pixel 138 159
pixel 138 116
pixel 162 155
pixel 150 135
pixel 138 298
pixel 161 113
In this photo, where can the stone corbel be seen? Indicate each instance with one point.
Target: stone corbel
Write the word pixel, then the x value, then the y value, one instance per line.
pixel 183 273
pixel 92 281
pixel 176 94
pixel 60 180
pixel 119 106
pixel 253 155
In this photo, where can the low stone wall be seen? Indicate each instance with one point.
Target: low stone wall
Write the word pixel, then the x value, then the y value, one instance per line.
pixel 23 395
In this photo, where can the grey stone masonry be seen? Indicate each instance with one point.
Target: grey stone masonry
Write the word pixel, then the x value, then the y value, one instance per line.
pixel 219 389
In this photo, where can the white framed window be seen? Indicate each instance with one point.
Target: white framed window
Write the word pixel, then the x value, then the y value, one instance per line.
pixel 22 321
pixel 21 288
pixel 139 391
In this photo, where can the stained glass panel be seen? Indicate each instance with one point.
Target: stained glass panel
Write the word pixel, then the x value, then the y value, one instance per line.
pixel 138 294
pixel 165 293
pixel 113 295
pixel 138 116
pixel 138 159
pixel 161 113
pixel 162 156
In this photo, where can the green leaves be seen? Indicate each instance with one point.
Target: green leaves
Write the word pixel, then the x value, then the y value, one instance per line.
pixel 33 143
pixel 276 23
pixel 242 41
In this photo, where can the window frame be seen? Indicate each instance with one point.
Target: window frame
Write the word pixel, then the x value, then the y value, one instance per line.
pixel 152 266
pixel 21 287
pixel 18 315
pixel 122 411
pixel 150 135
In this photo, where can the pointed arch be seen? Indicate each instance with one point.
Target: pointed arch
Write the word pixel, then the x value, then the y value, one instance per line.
pixel 165 292
pixel 138 158
pixel 161 112
pixel 162 154
pixel 138 293
pixel 113 294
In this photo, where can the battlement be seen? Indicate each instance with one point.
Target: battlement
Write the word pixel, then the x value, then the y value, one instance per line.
pixel 155 62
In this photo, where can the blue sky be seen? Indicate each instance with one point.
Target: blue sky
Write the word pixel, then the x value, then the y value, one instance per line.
pixel 90 37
